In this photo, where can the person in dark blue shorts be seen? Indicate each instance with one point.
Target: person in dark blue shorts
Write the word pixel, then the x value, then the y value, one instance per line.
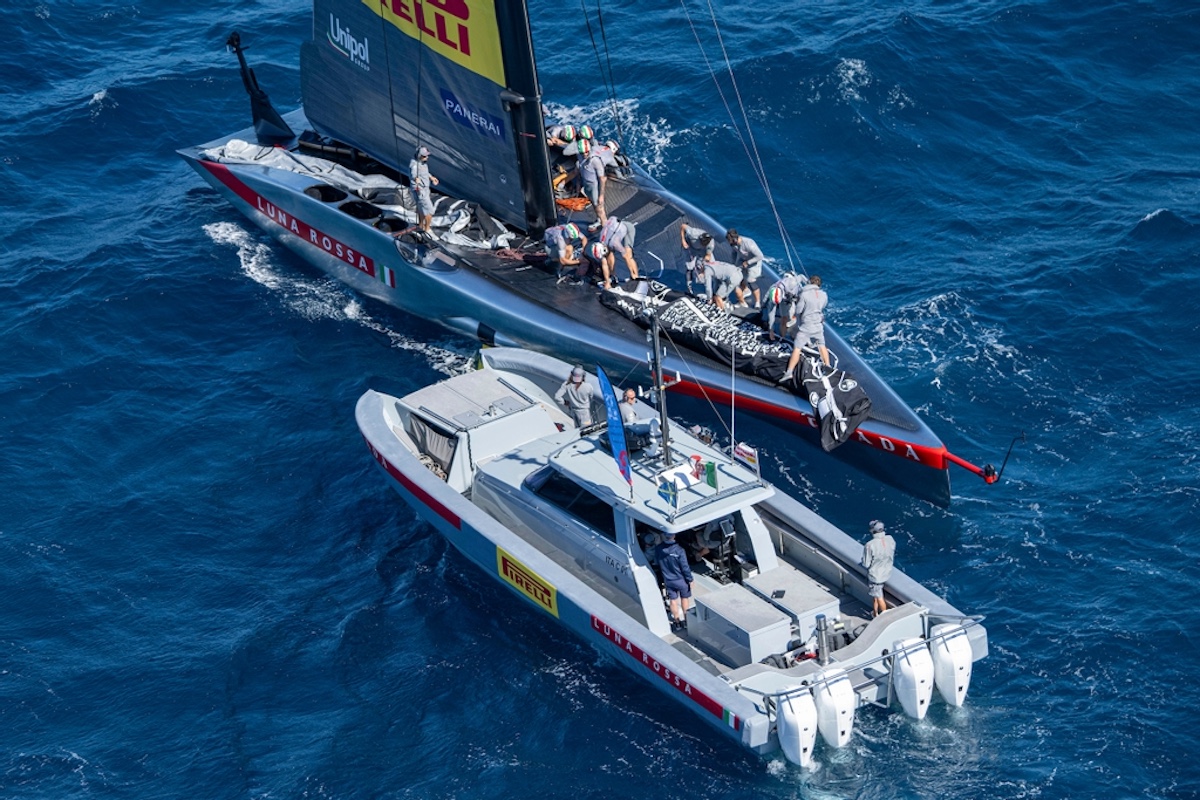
pixel 677 577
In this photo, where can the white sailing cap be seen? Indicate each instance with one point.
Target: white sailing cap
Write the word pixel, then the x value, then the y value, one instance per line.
pixel 876 526
pixel 422 152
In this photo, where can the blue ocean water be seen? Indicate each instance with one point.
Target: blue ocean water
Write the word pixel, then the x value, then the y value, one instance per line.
pixel 209 592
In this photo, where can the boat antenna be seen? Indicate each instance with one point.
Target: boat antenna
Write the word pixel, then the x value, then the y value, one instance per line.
pixel 660 386
pixel 269 127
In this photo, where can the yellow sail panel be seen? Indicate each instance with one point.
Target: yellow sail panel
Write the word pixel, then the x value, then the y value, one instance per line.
pixel 463 31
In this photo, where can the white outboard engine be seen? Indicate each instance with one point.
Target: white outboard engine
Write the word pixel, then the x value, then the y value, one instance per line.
pixel 835 701
pixel 798 727
pixel 952 659
pixel 912 676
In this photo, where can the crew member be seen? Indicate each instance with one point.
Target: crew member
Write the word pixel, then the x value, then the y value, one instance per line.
pixel 748 256
pixel 677 578
pixel 878 554
pixel 576 395
pixel 810 310
pixel 420 182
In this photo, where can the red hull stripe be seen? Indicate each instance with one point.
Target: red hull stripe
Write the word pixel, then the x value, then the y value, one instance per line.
pixel 649 662
pixel 292 224
pixel 921 454
pixel 413 489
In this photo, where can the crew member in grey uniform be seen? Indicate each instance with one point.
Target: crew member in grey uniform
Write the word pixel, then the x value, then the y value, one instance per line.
pixel 878 554
pixel 594 161
pixel 810 310
pixel 721 278
pixel 748 256
pixel 781 300
pixel 629 413
pixel 576 395
pixel 420 182
pixel 560 248
pixel 618 236
pixel 698 246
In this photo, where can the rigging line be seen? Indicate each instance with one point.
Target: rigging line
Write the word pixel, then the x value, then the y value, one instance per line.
pixel 420 83
pixel 608 90
pixel 387 59
pixel 753 158
pixel 750 134
pixel 611 83
pixel 699 385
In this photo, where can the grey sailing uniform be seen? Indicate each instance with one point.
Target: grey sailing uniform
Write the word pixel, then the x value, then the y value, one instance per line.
pixel 748 251
pixel 810 313
pixel 578 398
pixel 697 252
pixel 789 287
pixel 720 278
pixel 418 176
pixel 590 170
pixel 878 555
pixel 556 242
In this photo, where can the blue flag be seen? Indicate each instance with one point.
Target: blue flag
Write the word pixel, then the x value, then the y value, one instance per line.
pixel 616 427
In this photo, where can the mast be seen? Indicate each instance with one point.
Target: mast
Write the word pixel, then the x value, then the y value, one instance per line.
pixel 523 100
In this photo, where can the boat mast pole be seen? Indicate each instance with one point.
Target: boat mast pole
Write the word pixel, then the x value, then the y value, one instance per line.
pixel 660 387
pixel 523 100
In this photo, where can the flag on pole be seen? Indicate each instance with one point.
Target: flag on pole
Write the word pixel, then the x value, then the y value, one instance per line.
pixel 668 491
pixel 616 428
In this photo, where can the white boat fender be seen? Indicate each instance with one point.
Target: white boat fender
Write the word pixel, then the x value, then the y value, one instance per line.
pixel 912 676
pixel 952 660
pixel 798 727
pixel 835 701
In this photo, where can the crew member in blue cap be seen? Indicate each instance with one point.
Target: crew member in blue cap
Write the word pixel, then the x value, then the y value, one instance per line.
pixel 677 578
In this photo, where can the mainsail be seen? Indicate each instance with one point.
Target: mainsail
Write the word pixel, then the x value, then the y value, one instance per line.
pixel 457 76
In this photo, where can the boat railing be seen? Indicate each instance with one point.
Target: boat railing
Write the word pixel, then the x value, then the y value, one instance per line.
pixel 716 497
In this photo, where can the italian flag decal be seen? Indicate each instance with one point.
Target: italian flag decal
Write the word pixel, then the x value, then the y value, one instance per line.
pixel 387 275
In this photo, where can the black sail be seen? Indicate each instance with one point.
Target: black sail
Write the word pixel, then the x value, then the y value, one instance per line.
pixel 385 76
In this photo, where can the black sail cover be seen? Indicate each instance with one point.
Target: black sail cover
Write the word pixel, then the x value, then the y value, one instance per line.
pixel 838 399
pixel 385 76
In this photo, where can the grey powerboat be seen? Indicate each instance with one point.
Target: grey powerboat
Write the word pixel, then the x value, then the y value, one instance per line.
pixel 780 646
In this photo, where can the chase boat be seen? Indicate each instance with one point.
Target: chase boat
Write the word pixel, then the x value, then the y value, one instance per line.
pixel 779 647
pixel 380 78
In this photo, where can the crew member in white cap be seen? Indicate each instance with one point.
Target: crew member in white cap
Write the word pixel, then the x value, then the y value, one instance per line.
pixel 420 182
pixel 576 395
pixel 878 554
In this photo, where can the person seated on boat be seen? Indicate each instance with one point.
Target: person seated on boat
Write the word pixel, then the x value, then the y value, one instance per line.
pixel 878 555
pixel 560 243
pixel 677 578
pixel 618 236
pixel 781 301
pixel 698 246
pixel 629 413
pixel 748 256
pixel 710 538
pixel 721 278
pixel 810 312
pixel 576 395
pixel 420 182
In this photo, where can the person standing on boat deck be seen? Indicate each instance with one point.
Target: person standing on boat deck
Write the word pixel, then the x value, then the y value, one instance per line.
pixel 781 299
pixel 576 395
pixel 618 236
pixel 560 247
pixel 810 310
pixel 878 554
pixel 593 163
pixel 698 248
pixel 749 256
pixel 420 181
pixel 677 577
pixel 629 407
pixel 721 278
